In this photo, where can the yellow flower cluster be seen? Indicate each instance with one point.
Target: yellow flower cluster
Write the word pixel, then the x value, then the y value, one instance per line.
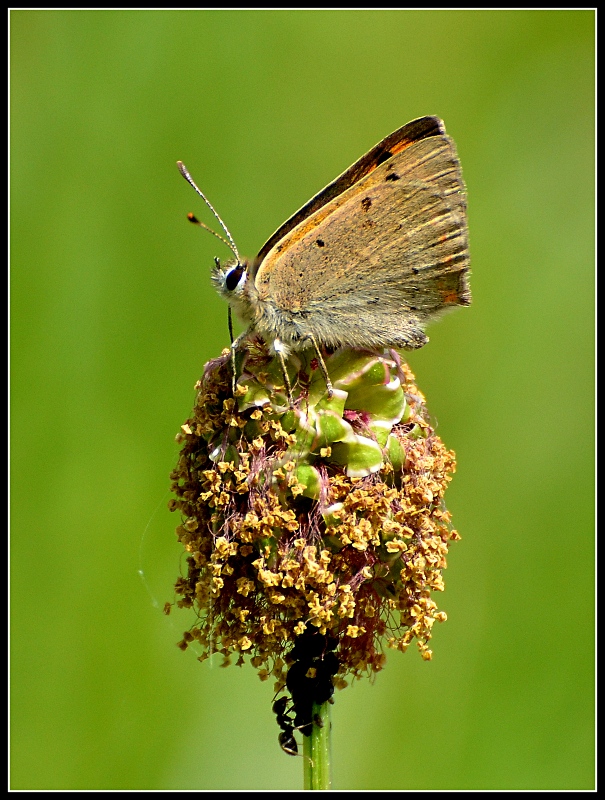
pixel 265 561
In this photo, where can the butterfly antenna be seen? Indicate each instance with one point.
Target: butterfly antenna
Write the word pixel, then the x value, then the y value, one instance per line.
pixel 231 244
pixel 192 218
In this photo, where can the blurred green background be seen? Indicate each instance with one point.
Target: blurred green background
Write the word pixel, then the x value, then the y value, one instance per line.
pixel 113 317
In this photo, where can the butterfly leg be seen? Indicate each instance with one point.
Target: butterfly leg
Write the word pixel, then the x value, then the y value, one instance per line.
pixel 322 363
pixel 234 342
pixel 230 323
pixel 234 345
pixel 280 352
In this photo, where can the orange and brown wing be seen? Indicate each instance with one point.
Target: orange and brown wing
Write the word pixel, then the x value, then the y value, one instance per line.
pixel 394 143
pixel 382 257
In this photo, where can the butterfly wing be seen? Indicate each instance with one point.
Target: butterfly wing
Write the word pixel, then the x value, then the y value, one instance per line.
pixel 372 264
pixel 392 144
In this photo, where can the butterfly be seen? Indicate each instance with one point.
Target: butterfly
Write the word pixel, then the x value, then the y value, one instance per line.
pixel 367 262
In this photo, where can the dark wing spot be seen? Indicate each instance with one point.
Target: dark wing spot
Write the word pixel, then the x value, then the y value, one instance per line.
pixel 392 177
pixel 382 157
pixel 320 243
pixel 366 203
pixel 415 270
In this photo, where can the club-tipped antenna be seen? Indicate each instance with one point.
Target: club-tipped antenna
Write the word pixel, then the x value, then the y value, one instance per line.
pixel 231 244
pixel 192 218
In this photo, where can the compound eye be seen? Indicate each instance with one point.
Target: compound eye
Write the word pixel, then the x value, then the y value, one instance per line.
pixel 234 276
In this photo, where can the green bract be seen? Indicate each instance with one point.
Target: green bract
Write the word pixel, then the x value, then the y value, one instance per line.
pixel 355 422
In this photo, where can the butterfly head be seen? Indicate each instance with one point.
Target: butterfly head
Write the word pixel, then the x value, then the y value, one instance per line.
pixel 230 278
pixel 232 281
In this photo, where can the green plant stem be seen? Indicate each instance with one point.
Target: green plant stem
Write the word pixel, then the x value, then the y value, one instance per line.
pixel 317 750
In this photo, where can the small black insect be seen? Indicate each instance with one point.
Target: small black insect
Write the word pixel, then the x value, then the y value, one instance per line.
pixel 279 709
pixel 309 679
pixel 287 742
pixel 286 738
